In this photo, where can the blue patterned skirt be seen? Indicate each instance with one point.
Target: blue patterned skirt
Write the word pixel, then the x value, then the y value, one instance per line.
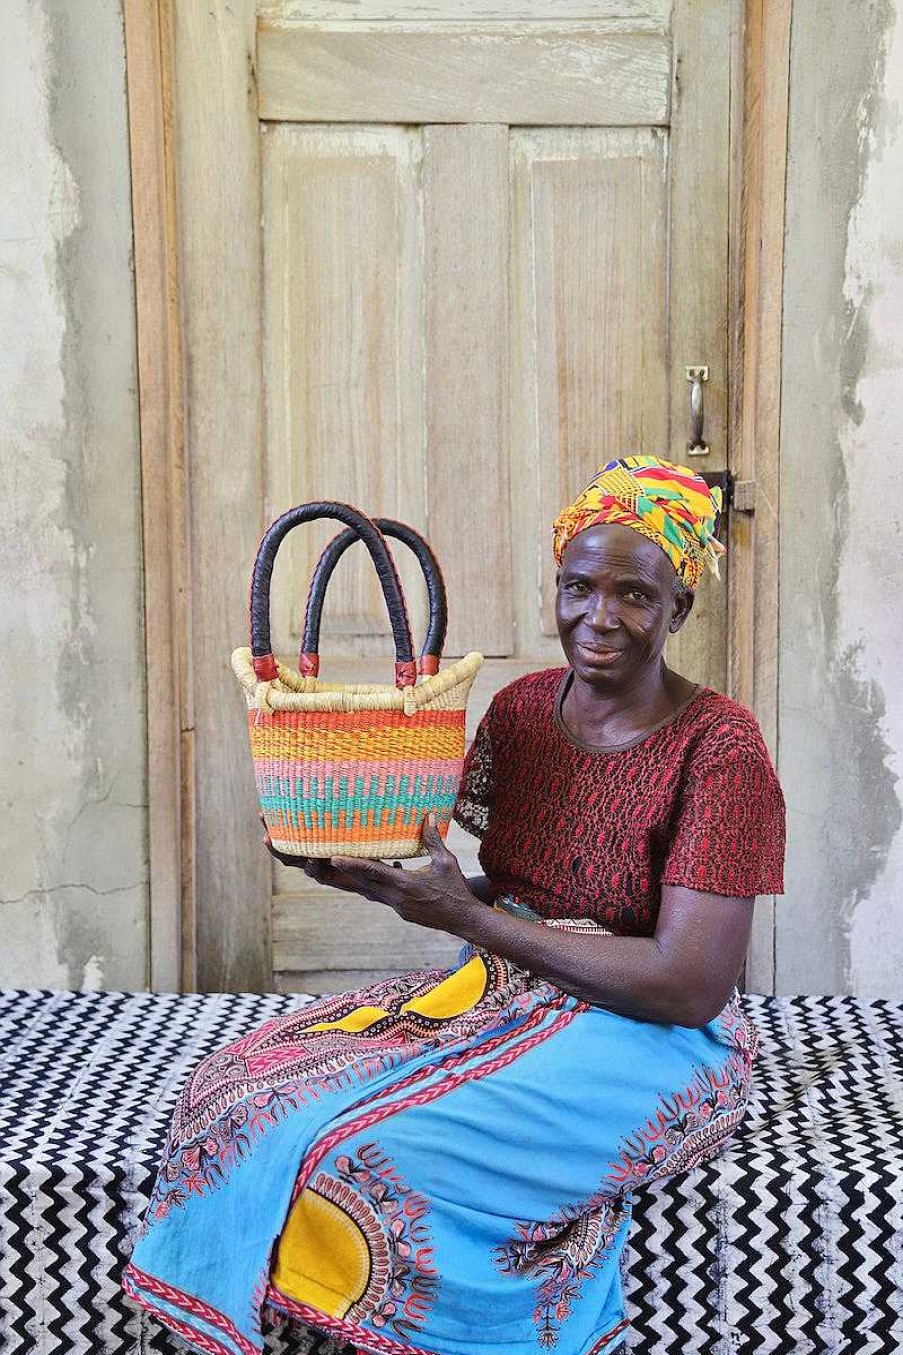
pixel 443 1162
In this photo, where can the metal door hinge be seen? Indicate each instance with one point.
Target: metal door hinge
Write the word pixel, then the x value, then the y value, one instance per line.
pixel 743 496
pixel 739 495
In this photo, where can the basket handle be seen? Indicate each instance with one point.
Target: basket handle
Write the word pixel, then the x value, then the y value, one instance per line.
pixel 430 655
pixel 261 644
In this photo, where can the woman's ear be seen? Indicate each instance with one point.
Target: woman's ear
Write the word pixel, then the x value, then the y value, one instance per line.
pixel 683 606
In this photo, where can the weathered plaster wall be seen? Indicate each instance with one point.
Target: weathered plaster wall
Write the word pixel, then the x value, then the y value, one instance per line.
pixel 840 927
pixel 73 872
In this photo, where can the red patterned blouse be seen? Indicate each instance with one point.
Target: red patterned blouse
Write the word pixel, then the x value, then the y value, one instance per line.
pixel 574 831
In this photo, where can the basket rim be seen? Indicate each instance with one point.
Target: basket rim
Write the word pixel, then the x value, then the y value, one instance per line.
pixel 312 694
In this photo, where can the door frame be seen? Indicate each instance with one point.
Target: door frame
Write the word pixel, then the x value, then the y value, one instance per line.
pixel 172 959
pixel 758 143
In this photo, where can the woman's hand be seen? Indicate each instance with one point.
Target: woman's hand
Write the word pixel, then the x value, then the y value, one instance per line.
pixel 434 896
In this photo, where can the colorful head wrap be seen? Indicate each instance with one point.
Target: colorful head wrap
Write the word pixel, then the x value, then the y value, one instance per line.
pixel 666 503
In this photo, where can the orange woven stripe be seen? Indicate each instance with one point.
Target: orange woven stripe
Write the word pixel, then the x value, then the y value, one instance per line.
pixel 395 747
pixel 351 720
pixel 356 832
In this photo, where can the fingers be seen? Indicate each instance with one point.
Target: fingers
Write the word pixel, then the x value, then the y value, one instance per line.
pixel 375 872
pixel 432 839
pixel 299 862
pixel 266 832
pixel 323 870
pixel 317 867
pixel 370 879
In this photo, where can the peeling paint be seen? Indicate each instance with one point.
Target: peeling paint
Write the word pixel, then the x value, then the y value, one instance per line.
pixel 73 871
pixel 869 574
pixel 836 731
pixel 92 974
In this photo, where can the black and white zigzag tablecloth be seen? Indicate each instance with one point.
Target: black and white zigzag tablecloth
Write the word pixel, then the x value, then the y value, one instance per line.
pixel 791 1242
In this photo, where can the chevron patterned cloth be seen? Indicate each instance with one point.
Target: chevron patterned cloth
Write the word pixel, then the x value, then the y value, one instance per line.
pixel 791 1242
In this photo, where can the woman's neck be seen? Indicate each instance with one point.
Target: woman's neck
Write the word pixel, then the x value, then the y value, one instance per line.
pixel 613 717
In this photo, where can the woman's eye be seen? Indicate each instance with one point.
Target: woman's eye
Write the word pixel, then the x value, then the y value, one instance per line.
pixel 635 594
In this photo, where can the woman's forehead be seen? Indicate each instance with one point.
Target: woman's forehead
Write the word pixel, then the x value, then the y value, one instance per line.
pixel 611 545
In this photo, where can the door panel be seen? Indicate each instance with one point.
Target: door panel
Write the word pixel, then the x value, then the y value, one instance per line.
pixel 440 263
pixel 629 13
pixel 532 73
pixel 466 235
pixel 698 272
pixel 342 250
pixel 589 263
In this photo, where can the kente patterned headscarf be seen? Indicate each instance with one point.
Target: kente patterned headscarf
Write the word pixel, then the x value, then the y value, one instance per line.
pixel 666 503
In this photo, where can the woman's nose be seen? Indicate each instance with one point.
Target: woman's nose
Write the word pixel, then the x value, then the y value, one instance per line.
pixel 603 612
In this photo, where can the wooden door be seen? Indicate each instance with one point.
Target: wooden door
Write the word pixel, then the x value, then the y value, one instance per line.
pixel 438 260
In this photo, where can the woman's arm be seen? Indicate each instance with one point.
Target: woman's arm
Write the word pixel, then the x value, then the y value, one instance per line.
pixel 683 974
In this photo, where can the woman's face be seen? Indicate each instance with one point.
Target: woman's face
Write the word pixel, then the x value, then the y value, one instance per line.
pixel 616 605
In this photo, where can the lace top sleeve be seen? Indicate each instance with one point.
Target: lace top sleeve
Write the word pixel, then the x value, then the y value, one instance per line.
pixel 729 835
pixel 475 794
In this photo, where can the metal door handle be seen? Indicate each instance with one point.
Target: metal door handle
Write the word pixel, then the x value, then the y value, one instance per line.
pixel 696 446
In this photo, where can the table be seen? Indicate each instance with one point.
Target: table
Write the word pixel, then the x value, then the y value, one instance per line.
pixel 791 1241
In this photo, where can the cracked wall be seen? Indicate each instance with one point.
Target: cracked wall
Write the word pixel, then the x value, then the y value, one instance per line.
pixel 73 867
pixel 840 926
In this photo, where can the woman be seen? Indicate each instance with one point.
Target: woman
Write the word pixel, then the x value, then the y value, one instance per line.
pixel 445 1162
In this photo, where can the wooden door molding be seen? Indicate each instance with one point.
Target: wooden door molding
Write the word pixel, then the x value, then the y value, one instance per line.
pixel 167 592
pixel 699 272
pixel 162 37
pixel 760 104
pixel 221 288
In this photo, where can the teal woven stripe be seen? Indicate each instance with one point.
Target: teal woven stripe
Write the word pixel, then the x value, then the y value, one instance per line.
pixel 403 799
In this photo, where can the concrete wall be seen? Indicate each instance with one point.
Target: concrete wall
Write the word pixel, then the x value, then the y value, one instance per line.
pixel 840 926
pixel 73 870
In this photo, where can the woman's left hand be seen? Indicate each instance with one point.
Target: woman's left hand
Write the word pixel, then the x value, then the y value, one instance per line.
pixel 434 896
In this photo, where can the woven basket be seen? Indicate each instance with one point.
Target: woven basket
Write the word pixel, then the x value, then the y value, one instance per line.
pixel 352 770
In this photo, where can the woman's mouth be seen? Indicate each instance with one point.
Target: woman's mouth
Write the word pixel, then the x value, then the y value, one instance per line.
pixel 599 654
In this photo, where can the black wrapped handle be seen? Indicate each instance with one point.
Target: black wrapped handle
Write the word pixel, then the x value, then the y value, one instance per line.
pixel 431 653
pixel 361 526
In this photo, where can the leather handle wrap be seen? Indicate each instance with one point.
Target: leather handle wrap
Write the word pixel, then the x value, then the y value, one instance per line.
pixel 363 527
pixel 431 653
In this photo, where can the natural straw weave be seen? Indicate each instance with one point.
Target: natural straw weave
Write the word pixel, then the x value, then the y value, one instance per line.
pixel 352 770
